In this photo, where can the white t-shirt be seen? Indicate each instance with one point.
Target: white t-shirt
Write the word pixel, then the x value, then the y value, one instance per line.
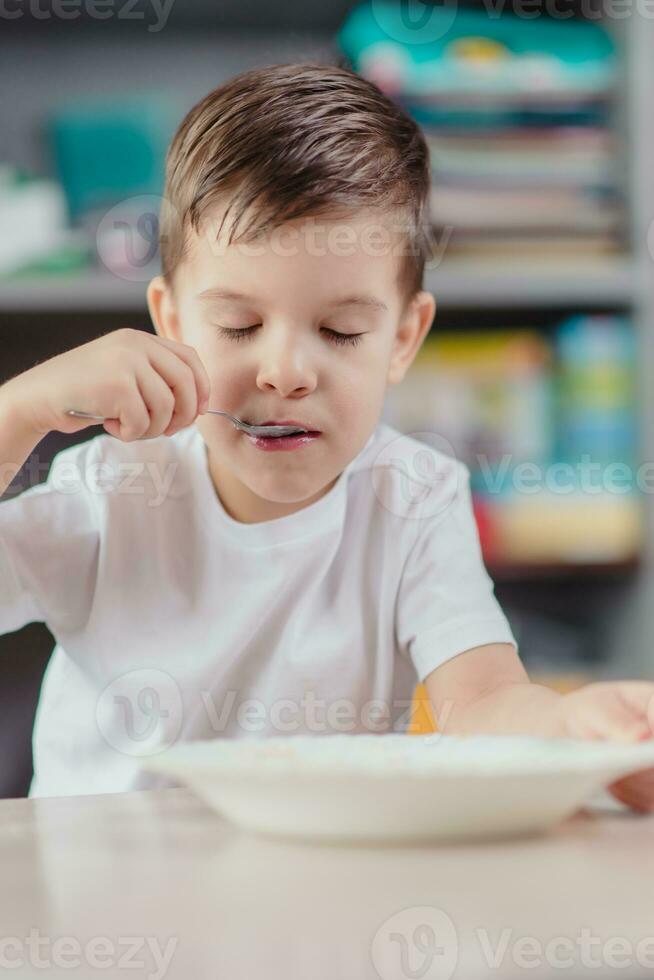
pixel 173 621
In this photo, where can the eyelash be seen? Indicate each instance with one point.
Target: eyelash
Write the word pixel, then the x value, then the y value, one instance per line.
pixel 340 339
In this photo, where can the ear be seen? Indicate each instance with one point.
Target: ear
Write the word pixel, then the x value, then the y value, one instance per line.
pixel 413 328
pixel 163 309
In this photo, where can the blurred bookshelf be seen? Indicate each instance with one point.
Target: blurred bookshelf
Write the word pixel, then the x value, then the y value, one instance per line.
pixel 602 606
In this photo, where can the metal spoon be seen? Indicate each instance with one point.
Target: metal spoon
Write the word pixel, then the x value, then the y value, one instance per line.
pixel 253 430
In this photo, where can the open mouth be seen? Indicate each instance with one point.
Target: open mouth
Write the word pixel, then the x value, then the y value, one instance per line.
pixel 295 433
pixel 297 428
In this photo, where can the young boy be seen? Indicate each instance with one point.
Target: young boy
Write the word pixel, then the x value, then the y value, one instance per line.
pixel 201 583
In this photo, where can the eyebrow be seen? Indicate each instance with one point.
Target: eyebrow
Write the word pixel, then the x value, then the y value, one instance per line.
pixel 357 299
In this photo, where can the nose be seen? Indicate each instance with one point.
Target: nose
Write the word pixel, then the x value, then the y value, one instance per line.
pixel 284 364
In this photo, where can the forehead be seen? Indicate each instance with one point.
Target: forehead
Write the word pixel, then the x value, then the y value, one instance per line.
pixel 315 254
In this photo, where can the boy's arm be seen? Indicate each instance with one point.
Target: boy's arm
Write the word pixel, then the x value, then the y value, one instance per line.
pixel 17 439
pixel 487 690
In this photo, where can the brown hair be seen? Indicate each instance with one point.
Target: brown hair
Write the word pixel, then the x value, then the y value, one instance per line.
pixel 294 140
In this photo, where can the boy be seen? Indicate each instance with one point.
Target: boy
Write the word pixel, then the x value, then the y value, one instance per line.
pixel 204 584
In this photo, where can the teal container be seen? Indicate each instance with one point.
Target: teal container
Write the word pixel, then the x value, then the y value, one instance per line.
pixel 106 151
pixel 573 55
pixel 539 71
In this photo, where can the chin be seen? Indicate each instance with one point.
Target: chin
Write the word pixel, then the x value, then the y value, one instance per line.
pixel 287 490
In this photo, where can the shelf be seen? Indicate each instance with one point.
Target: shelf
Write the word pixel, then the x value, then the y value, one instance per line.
pixel 456 285
pixel 93 291
pixel 511 572
pixel 475 284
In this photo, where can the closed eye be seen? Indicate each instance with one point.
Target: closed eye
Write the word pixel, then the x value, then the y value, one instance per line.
pixel 242 333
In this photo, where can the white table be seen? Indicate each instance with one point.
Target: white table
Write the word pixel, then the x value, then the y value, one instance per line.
pixel 100 880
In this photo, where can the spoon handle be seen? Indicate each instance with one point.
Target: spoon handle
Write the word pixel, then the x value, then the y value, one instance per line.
pixel 102 418
pixel 85 415
pixel 257 430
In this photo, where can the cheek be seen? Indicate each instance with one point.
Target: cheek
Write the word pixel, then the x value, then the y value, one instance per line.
pixel 365 373
pixel 225 376
pixel 229 389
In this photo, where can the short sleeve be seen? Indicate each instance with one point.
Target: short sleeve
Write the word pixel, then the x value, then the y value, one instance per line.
pixel 49 546
pixel 446 599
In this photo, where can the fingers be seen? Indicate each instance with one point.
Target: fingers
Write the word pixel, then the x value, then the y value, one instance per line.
pixel 133 419
pixel 630 710
pixel 191 357
pixel 621 711
pixel 621 724
pixel 180 378
pixel 168 387
pixel 636 790
pixel 638 696
pixel 159 400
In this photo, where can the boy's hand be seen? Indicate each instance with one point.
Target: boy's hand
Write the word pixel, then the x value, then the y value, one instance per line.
pixel 621 711
pixel 146 385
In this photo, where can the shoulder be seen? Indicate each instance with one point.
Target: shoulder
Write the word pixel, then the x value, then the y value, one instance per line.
pixel 410 476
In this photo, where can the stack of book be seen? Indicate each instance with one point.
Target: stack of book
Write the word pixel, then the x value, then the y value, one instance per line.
pixel 546 193
pixel 516 113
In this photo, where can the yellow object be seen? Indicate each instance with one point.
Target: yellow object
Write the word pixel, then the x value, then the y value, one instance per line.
pixel 422 720
pixel 477 49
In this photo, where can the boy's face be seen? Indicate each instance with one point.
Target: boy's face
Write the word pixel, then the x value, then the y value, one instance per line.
pixel 291 287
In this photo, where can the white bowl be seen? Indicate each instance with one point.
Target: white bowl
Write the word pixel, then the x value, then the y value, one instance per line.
pixel 397 787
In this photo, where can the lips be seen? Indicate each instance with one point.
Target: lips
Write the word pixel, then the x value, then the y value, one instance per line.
pixel 297 422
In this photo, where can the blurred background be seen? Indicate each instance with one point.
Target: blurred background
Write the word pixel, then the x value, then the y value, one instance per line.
pixel 538 368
